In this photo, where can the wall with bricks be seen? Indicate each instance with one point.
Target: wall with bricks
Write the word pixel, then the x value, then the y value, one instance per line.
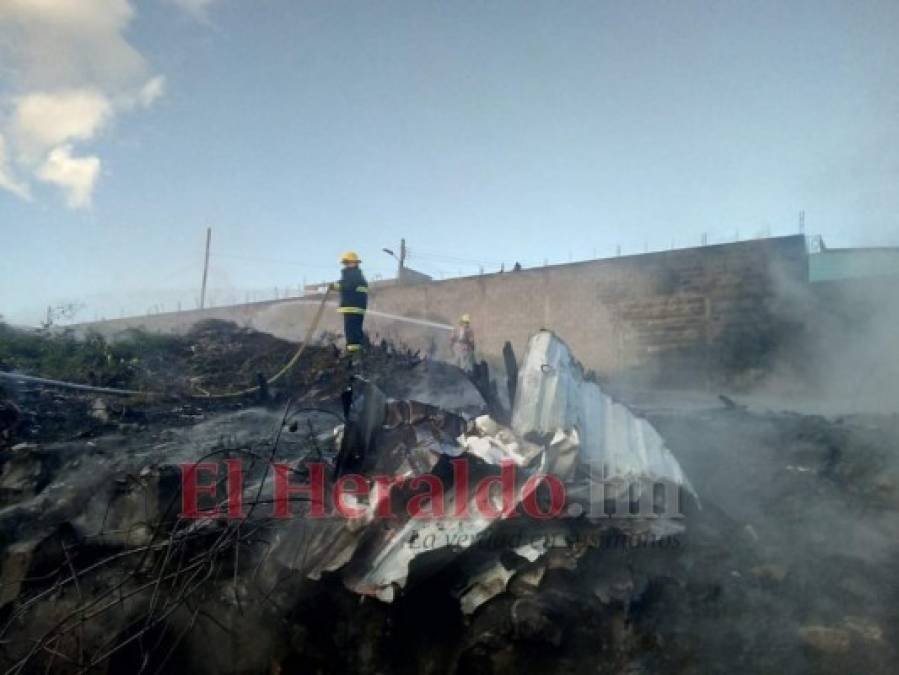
pixel 674 316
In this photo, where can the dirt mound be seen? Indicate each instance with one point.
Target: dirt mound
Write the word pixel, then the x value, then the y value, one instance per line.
pixel 214 354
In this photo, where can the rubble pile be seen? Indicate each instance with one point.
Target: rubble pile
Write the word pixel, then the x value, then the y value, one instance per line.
pixel 560 535
pixel 179 372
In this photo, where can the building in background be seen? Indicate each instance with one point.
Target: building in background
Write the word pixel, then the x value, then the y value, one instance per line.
pixel 836 264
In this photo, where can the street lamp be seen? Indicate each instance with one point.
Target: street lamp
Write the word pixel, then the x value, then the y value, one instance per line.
pixel 401 258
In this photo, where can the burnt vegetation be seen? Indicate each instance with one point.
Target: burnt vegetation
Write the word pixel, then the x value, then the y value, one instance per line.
pixel 792 570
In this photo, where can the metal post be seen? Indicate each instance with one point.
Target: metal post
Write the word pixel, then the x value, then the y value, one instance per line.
pixel 205 268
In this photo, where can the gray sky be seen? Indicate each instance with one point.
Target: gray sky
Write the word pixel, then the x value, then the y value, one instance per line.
pixel 483 132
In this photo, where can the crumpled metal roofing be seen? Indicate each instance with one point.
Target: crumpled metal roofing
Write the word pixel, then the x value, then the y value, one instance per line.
pixel 561 423
pixel 553 394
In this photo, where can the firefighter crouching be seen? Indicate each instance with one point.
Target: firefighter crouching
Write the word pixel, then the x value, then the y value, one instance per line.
pixel 353 301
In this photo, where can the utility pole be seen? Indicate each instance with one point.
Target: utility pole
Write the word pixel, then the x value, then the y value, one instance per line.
pixel 205 268
pixel 402 254
pixel 802 222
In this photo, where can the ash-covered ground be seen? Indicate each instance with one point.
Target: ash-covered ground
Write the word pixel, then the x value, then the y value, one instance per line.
pixel 786 563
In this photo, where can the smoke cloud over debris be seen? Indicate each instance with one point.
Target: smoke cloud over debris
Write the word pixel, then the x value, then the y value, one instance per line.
pixel 785 562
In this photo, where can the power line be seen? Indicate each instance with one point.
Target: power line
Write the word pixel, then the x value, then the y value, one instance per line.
pixel 279 261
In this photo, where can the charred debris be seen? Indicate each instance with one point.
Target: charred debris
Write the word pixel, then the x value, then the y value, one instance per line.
pixel 629 571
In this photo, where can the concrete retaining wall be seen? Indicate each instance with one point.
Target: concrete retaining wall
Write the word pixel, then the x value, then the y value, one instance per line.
pixel 672 316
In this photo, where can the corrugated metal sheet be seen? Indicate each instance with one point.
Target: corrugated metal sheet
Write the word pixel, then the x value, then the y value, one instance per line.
pixel 552 394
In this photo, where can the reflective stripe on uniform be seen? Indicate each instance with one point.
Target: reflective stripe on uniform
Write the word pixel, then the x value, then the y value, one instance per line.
pixel 351 310
pixel 354 348
pixel 362 289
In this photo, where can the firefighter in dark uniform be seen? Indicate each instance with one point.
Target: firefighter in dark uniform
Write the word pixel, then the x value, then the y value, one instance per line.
pixel 353 301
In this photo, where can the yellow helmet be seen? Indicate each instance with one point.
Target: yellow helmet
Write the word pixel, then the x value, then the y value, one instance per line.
pixel 350 257
pixel 465 318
